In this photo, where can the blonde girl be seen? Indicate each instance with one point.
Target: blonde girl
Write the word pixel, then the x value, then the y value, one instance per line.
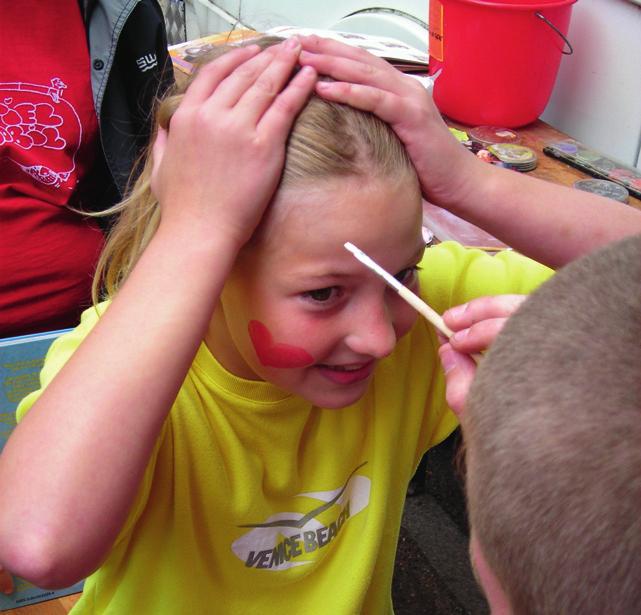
pixel 233 430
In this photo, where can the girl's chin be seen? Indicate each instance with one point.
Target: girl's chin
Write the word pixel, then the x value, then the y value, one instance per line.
pixel 337 399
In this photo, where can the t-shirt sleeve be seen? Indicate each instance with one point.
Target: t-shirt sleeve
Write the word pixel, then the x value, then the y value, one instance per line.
pixel 450 275
pixel 58 354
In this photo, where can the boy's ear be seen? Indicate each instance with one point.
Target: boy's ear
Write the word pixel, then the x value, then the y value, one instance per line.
pixel 494 593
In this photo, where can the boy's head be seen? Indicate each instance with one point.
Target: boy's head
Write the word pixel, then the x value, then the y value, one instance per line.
pixel 553 439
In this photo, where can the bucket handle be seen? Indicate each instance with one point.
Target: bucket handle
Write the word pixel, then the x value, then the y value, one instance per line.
pixel 565 40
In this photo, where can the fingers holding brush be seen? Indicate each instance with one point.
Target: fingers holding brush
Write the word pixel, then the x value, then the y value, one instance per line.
pixel 476 324
pixel 460 370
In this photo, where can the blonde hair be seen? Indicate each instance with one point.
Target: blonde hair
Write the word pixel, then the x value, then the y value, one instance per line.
pixel 553 433
pixel 327 140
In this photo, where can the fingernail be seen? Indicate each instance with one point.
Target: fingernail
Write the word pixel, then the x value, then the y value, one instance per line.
pixel 459 336
pixel 448 360
pixel 456 311
pixel 292 43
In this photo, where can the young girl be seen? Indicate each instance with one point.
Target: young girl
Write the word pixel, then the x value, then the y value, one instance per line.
pixel 234 429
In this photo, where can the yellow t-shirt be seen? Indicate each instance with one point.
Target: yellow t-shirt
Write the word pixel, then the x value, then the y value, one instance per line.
pixel 254 501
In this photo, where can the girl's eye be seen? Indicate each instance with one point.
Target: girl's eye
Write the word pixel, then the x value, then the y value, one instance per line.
pixel 322 295
pixel 407 276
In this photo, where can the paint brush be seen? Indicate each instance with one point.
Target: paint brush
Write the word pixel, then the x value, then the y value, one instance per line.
pixel 414 300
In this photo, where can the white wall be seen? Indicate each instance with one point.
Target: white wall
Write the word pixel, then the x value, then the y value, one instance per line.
pixel 265 14
pixel 597 96
pixel 203 17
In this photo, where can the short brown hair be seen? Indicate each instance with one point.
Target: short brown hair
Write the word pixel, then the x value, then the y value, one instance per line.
pixel 553 435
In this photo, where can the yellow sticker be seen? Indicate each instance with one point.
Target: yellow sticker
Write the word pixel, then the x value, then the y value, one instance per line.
pixel 436 30
pixel 460 135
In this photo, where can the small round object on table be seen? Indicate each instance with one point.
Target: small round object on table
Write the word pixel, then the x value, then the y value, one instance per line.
pixel 488 135
pixel 603 187
pixel 516 157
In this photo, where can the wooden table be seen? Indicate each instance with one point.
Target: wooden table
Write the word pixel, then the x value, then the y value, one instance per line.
pixel 536 136
pixel 59 606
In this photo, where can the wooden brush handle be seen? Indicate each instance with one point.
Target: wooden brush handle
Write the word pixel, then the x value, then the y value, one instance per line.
pixel 432 316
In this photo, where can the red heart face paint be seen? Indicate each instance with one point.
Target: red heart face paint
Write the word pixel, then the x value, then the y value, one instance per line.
pixel 273 354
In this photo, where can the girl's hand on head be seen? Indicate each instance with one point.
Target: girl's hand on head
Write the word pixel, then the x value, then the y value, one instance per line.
pixel 475 324
pixel 217 165
pixel 367 82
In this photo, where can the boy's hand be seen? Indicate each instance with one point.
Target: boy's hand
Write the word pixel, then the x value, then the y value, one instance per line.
pixel 364 81
pixel 217 165
pixel 6 581
pixel 475 324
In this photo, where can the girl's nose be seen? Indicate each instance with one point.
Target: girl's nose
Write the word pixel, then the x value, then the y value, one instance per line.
pixel 372 331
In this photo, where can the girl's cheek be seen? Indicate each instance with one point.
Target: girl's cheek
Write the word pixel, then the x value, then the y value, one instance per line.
pixel 404 315
pixel 276 354
pixel 405 321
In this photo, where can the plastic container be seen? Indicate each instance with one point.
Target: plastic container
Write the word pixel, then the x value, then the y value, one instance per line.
pixel 499 60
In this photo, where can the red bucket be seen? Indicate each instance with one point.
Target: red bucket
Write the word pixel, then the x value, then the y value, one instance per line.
pixel 499 60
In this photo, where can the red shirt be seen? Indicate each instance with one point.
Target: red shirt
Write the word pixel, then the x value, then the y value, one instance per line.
pixel 48 141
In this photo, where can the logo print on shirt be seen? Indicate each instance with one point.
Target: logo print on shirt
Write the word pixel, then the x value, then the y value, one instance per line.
pixel 147 62
pixel 288 539
pixel 33 116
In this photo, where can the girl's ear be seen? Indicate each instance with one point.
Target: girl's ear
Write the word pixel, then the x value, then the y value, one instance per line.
pixel 157 153
pixel 166 110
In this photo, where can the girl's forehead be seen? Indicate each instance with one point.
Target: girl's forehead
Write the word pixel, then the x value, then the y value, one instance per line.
pixel 314 222
pixel 340 205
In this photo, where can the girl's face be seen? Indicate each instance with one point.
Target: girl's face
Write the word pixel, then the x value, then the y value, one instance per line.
pixel 299 311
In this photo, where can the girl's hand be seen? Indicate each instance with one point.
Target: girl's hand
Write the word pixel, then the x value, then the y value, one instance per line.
pixel 6 581
pixel 370 83
pixel 218 164
pixel 475 324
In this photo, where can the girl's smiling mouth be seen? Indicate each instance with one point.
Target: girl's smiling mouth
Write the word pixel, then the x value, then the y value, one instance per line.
pixel 346 374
